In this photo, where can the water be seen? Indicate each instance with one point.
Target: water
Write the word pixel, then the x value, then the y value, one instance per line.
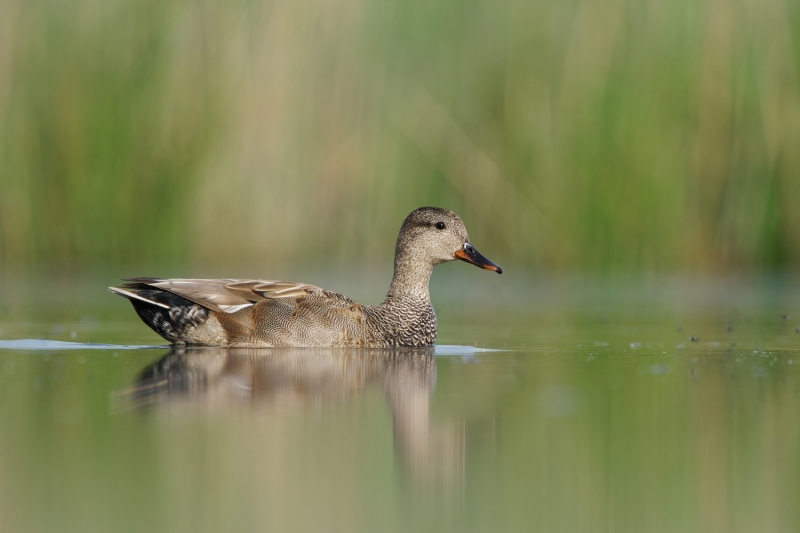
pixel 556 406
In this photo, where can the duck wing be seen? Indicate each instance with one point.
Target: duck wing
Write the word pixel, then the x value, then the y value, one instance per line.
pixel 224 295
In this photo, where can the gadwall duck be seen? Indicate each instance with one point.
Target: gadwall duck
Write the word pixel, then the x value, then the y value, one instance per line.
pixel 260 313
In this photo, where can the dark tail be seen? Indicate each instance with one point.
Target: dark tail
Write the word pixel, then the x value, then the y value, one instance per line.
pixel 171 316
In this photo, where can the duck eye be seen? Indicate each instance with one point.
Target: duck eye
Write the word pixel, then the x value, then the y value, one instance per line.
pixel 439 225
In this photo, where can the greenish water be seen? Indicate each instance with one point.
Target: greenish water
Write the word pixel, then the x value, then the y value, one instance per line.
pixel 592 410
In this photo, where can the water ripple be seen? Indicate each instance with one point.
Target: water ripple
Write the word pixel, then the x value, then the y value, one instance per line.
pixel 39 344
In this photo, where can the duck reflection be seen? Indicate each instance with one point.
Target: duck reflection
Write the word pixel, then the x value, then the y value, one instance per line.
pixel 287 378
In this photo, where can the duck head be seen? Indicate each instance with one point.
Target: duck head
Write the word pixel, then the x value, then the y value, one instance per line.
pixel 438 235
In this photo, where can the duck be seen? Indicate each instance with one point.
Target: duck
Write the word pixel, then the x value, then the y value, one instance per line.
pixel 247 313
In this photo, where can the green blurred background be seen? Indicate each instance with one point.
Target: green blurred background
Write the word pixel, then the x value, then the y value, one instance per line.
pixel 590 136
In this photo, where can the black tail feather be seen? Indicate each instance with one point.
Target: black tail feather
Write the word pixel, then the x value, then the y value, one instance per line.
pixel 169 315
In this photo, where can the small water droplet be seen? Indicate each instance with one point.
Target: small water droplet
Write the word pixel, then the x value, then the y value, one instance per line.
pixel 657 369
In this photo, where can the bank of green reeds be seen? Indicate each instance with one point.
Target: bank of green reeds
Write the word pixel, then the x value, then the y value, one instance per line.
pixel 586 135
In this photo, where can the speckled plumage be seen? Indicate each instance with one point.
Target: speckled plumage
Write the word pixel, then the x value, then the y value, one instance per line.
pixel 262 313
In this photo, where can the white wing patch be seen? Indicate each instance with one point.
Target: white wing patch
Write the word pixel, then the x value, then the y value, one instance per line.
pixel 233 308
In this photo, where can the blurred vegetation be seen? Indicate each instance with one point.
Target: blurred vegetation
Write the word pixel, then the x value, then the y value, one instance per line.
pixel 582 135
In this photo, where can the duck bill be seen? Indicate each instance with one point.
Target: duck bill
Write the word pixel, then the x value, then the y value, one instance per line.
pixel 470 255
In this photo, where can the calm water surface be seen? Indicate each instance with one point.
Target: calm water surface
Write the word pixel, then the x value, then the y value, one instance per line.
pixel 662 406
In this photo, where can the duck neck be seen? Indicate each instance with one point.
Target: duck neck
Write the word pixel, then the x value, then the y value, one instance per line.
pixel 410 281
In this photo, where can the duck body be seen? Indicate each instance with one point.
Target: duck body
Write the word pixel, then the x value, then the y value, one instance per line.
pixel 309 316
pixel 264 313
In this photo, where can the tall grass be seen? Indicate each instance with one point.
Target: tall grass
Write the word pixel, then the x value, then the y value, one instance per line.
pixel 585 135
